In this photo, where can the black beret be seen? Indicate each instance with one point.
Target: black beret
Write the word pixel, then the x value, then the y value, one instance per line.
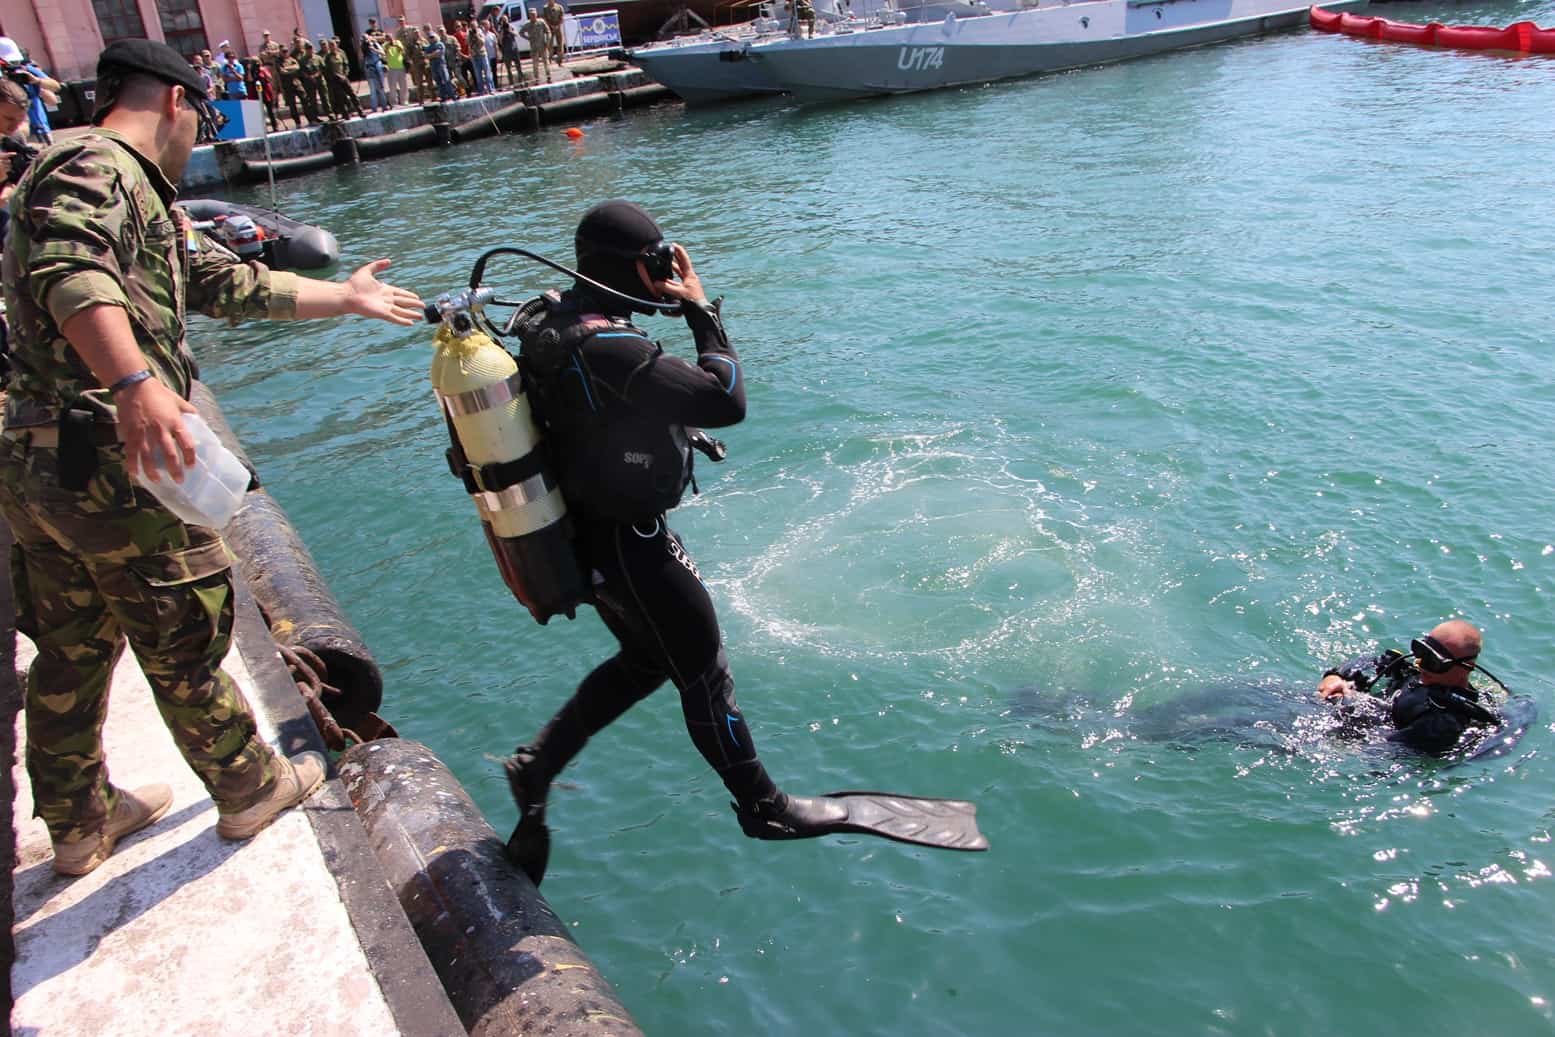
pixel 153 59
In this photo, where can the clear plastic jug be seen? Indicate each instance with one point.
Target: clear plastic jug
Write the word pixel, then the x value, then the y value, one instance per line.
pixel 213 487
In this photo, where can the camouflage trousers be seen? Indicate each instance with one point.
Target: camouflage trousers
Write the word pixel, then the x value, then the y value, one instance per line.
pixel 90 572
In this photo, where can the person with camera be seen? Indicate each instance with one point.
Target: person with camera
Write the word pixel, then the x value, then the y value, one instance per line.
pixel 42 90
pixel 620 416
pixel 1425 697
pixel 100 268
pixel 15 153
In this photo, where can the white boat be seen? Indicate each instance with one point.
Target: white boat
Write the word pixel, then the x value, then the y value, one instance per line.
pixel 1054 36
pixel 714 66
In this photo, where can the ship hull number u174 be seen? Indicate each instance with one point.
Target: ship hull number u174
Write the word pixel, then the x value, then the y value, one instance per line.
pixel 918 59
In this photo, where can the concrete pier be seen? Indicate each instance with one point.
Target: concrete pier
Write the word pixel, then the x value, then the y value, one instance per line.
pixel 213 165
pixel 181 933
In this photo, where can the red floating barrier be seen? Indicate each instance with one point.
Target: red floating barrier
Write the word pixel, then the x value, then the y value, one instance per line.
pixel 1476 37
pixel 1518 38
pixel 1360 25
pixel 1404 32
pixel 1325 21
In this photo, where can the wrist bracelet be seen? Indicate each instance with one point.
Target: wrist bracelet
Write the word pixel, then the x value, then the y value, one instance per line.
pixel 129 380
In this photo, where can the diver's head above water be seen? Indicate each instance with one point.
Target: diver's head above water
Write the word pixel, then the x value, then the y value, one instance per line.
pixel 1447 655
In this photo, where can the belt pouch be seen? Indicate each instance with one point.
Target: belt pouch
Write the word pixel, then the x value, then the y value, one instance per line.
pixel 77 452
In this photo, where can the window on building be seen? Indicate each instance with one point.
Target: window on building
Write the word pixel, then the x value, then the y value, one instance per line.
pixel 182 26
pixel 119 20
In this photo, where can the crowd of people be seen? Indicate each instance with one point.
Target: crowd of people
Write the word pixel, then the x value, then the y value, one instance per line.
pixel 310 81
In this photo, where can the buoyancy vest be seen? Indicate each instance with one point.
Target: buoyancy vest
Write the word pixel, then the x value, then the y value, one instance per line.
pixel 1415 699
pixel 613 460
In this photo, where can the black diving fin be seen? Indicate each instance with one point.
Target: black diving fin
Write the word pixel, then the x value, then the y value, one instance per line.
pixel 529 847
pixel 944 824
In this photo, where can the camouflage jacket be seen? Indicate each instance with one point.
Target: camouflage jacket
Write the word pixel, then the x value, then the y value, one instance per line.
pixel 91 225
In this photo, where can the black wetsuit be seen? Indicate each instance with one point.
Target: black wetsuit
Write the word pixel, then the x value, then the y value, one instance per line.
pixel 1430 718
pixel 646 587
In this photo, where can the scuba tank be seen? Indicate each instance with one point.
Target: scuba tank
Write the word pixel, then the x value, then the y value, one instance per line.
pixel 496 451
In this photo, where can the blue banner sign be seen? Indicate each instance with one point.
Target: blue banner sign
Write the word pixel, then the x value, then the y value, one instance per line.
pixel 598 29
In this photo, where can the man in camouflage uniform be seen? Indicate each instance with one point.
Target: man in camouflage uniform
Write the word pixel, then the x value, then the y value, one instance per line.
pixel 555 20
pixel 271 56
pixel 539 36
pixel 291 86
pixel 311 67
pixel 97 273
pixel 415 61
pixel 337 74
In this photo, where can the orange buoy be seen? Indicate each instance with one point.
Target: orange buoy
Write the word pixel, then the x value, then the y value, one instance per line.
pixel 574 133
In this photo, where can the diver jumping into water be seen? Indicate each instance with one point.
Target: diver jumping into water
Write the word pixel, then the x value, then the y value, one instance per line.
pixel 1426 697
pixel 620 418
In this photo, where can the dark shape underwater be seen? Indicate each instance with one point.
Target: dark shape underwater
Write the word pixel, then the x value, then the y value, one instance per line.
pixel 1518 714
pixel 1271 714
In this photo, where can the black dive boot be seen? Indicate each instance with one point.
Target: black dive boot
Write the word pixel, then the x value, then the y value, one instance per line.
pixel 790 817
pixel 529 847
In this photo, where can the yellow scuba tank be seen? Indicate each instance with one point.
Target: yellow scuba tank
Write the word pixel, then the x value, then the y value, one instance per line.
pixel 497 453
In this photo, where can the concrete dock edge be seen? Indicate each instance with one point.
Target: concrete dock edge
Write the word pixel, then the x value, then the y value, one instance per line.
pixel 410 985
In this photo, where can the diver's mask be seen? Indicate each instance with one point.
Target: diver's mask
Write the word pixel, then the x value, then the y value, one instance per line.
pixel 659 260
pixel 1433 657
pixel 616 267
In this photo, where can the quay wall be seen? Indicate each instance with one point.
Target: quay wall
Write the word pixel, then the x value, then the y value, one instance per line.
pixel 458 940
pixel 509 966
pixel 347 141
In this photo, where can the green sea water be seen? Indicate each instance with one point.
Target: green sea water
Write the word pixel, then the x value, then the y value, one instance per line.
pixel 1091 417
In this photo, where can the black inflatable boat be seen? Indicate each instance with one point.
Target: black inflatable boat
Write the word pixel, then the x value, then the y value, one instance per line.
pixel 255 233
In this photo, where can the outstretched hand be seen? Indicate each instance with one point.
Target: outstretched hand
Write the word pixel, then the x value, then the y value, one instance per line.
pixel 366 296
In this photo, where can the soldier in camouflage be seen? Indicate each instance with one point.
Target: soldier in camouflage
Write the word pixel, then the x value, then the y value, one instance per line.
pixel 98 272
pixel 415 61
pixel 337 76
pixel 311 68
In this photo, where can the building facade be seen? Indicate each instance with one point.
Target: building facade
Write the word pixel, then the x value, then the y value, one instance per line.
pixel 64 37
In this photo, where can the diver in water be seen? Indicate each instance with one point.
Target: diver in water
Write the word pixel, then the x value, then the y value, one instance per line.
pixel 1425 697
pixel 621 418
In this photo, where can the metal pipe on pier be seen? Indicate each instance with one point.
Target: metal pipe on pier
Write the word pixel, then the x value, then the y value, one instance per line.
pixel 296 602
pixel 505 958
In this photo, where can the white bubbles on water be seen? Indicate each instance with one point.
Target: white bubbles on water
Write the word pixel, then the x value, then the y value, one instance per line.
pixel 949 545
